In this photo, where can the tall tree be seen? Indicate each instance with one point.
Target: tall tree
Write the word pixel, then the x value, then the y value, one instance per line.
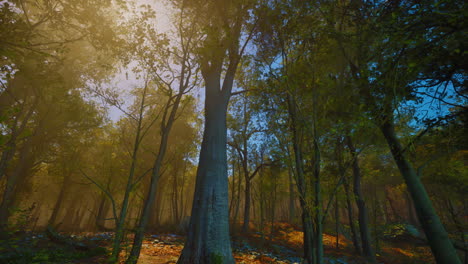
pixel 208 239
pixel 242 134
pixel 175 82
pixel 390 78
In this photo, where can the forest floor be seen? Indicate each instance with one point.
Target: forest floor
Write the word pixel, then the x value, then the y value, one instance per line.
pixel 256 248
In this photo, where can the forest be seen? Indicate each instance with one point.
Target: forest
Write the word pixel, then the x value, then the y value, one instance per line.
pixel 234 131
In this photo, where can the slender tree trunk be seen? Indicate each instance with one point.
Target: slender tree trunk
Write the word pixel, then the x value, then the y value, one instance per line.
pixel 149 201
pixel 245 226
pixel 440 243
pixel 155 217
pixel 175 196
pixel 208 238
pixel 274 175
pixel 349 204
pixel 375 204
pixel 119 230
pixel 35 217
pixel 101 214
pixel 239 185
pixel 262 207
pixel 337 222
pixel 394 211
pixel 309 253
pixel 384 210
pixel 77 219
pixel 183 195
pixel 61 198
pixel 233 188
pixel 318 205
pixel 292 197
pixel 362 209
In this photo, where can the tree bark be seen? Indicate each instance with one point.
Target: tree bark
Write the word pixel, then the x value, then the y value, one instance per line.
pixel 208 238
pixel 441 246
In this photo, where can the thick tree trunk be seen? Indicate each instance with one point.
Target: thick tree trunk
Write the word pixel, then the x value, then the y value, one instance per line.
pixel 21 171
pixel 362 209
pixel 208 238
pixel 440 243
pixel 413 218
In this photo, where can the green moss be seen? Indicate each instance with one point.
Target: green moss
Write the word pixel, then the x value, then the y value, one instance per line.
pixel 216 258
pixel 16 252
